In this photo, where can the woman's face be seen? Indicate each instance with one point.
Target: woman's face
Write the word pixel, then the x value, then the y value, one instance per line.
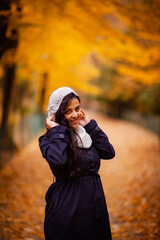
pixel 73 113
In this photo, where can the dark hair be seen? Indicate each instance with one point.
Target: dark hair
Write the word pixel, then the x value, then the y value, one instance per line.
pixel 73 152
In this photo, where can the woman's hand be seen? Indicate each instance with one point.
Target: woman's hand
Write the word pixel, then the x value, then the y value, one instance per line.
pixel 50 122
pixel 84 119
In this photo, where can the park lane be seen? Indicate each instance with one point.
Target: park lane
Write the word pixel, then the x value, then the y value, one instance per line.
pixel 130 181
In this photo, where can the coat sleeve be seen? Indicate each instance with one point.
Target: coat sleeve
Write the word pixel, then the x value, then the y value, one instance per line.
pixel 53 146
pixel 100 140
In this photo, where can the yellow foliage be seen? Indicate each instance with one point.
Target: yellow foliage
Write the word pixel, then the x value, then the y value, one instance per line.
pixel 59 38
pixel 147 77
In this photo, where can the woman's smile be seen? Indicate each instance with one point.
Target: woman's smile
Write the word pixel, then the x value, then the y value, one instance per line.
pixel 74 121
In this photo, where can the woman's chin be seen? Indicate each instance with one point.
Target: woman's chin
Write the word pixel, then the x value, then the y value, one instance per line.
pixel 74 126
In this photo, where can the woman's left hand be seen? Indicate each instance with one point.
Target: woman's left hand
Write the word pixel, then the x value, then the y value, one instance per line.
pixel 50 122
pixel 84 119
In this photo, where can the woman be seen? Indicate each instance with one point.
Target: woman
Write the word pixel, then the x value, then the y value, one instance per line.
pixel 73 146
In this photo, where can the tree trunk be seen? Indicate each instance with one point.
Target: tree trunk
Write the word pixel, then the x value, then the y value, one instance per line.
pixel 8 83
pixel 43 91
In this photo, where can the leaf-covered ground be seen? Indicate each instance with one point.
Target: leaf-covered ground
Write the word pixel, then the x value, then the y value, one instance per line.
pixel 131 183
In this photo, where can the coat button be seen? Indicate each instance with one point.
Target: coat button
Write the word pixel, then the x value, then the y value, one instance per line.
pixel 90 153
pixel 61 135
pixel 97 129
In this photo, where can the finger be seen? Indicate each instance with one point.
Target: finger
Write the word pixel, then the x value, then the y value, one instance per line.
pixel 49 118
pixel 53 117
pixel 46 123
pixel 83 114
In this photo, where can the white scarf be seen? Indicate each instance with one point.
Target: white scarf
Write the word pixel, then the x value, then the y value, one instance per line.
pixel 84 140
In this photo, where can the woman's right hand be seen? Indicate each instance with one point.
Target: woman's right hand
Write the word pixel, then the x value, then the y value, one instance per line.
pixel 50 122
pixel 84 119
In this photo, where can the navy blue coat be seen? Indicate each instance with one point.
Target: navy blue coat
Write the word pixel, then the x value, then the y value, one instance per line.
pixel 76 207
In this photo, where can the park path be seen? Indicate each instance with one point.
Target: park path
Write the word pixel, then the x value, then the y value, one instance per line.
pixel 131 183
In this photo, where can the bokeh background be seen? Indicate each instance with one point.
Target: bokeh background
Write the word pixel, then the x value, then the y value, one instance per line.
pixel 109 52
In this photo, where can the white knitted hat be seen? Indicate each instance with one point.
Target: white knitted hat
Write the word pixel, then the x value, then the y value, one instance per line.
pixel 56 99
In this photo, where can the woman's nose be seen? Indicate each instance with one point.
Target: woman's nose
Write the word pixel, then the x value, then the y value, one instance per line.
pixel 74 114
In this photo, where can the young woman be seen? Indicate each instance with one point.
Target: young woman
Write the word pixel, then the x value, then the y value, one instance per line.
pixel 73 146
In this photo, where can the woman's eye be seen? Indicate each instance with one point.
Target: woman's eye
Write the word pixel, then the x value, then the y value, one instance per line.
pixel 67 112
pixel 77 109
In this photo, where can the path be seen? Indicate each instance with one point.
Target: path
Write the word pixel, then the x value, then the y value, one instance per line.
pixel 131 184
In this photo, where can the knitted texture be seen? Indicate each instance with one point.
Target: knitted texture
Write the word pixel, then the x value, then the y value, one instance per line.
pixel 56 98
pixel 84 140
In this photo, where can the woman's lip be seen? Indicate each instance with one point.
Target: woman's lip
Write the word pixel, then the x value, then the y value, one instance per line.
pixel 74 121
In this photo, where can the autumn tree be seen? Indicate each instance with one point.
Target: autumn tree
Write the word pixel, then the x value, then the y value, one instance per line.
pixel 8 43
pixel 105 48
